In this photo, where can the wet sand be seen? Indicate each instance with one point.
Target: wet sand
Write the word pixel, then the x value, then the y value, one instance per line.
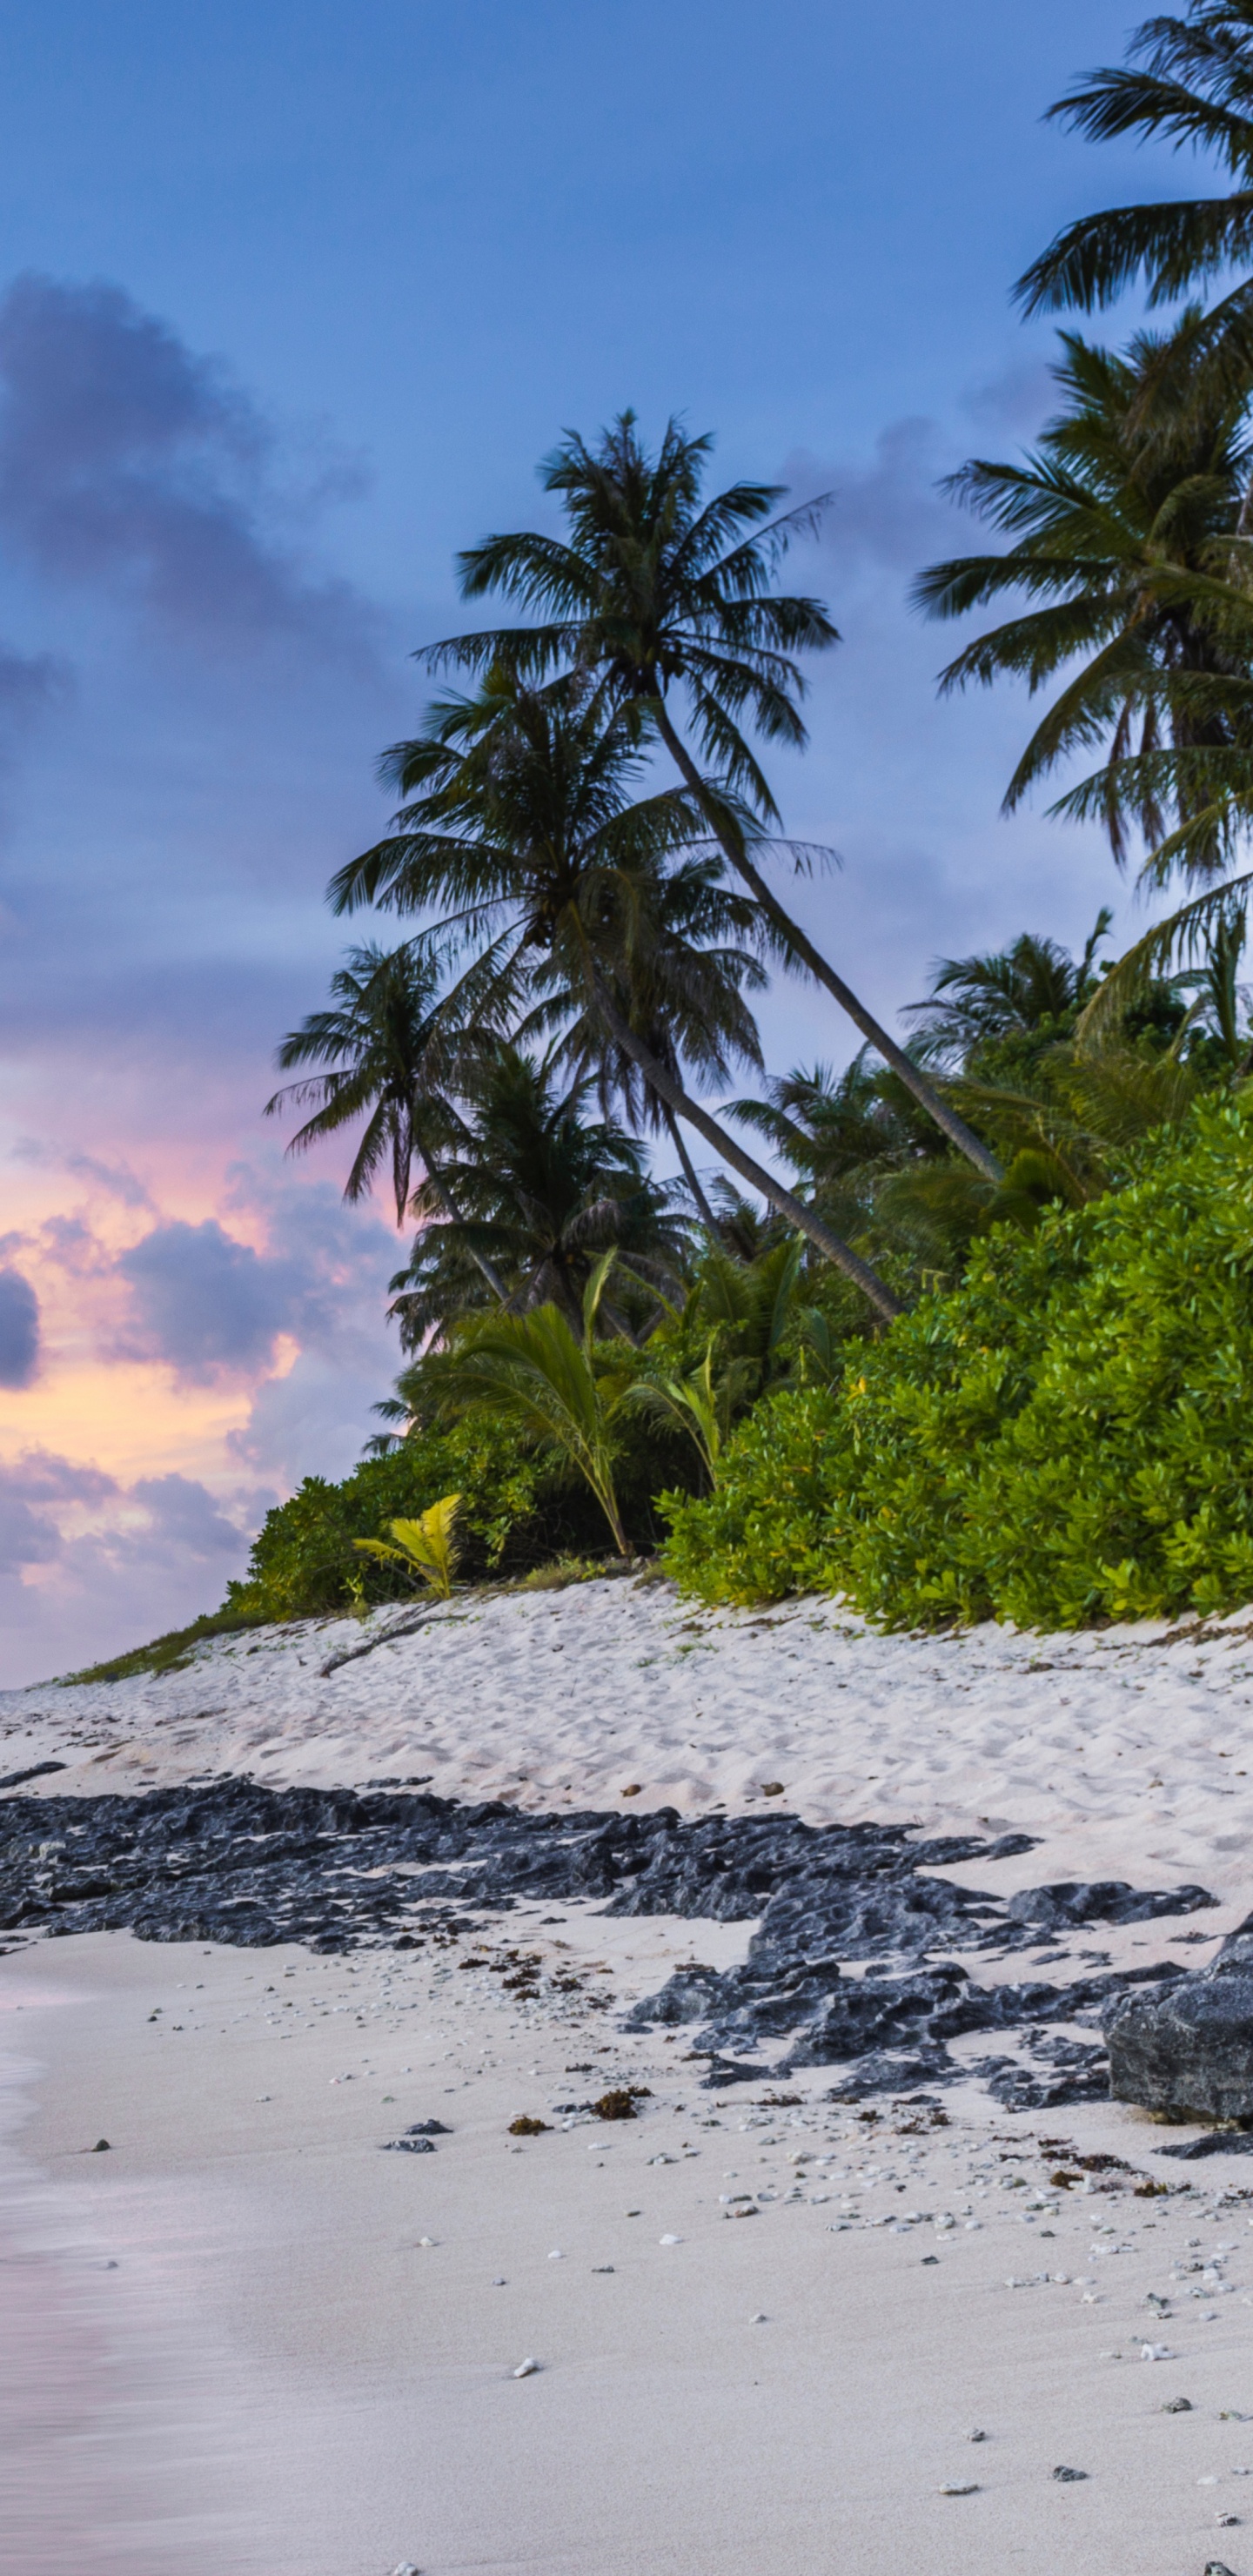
pixel 281 2378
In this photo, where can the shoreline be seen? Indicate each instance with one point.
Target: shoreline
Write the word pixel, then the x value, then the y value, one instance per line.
pixel 342 2326
pixel 309 2365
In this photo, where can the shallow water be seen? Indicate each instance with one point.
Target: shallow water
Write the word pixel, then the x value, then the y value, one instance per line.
pixel 121 2445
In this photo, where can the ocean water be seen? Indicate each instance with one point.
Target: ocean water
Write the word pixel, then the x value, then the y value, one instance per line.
pixel 124 2445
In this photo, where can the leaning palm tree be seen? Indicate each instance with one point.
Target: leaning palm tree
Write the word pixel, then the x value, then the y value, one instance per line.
pixel 661 594
pixel 703 1021
pixel 387 1048
pixel 542 1192
pixel 1122 532
pixel 549 875
pixel 1188 81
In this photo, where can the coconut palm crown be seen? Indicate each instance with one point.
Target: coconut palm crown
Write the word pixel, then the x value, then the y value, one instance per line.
pixel 1123 529
pixel 659 596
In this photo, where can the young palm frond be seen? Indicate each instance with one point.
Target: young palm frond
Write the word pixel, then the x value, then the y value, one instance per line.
pixel 539 1373
pixel 426 1547
pixel 701 1407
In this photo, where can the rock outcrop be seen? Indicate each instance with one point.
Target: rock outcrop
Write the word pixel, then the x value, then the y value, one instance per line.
pixel 1187 2049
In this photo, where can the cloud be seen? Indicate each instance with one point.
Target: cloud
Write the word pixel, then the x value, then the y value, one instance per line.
pixel 887 516
pixel 209 1305
pixel 183 1514
pixel 134 467
pixel 29 1534
pixel 19 1330
pixel 203 1301
pixel 115 1179
pixel 151 1556
pixel 40 1476
pixel 1015 400
pixel 29 683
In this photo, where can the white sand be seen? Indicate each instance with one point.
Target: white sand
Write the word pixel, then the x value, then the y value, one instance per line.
pixel 280 2379
pixel 1129 1752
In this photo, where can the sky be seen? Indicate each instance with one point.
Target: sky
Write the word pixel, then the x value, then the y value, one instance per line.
pixel 292 301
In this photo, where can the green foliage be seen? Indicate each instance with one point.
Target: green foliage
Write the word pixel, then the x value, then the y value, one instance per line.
pixel 171 1653
pixel 1064 1438
pixel 304 1558
pixel 562 1389
pixel 520 1509
pixel 426 1549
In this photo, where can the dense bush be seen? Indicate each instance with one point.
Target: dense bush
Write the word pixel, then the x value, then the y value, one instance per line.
pixel 517 1511
pixel 1066 1437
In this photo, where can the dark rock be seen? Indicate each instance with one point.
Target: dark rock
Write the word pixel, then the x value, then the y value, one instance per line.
pixel 1220 2142
pixel 1110 1900
pixel 409 2146
pixel 230 1861
pixel 37 1771
pixel 1189 2050
pixel 428 2129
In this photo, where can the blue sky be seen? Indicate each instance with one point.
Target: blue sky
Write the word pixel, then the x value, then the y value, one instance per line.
pixel 292 301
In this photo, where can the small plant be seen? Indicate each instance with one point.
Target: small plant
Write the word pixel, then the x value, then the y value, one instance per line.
pixel 525 2127
pixel 426 1547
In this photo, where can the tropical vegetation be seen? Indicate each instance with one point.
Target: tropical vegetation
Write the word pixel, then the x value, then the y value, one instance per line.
pixel 961 1328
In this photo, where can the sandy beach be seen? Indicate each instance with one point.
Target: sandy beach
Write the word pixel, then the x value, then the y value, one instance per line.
pixel 766 2323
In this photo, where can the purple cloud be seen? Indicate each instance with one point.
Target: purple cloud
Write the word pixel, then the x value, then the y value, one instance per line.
pixel 130 465
pixel 40 1476
pixel 183 1515
pixel 19 1330
pixel 203 1301
pixel 209 1305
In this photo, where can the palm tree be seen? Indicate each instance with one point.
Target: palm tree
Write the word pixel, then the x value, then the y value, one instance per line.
pixel 541 1192
pixel 1034 984
pixel 704 1022
pixel 657 591
pixel 389 1048
pixel 1188 81
pixel 1122 528
pixel 524 828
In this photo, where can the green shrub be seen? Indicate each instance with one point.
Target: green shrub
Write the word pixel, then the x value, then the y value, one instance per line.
pixel 518 1510
pixel 1066 1438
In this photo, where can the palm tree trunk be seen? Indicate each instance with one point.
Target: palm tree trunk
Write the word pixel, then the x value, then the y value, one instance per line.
pixel 928 1098
pixel 706 1213
pixel 451 1209
pixel 724 1145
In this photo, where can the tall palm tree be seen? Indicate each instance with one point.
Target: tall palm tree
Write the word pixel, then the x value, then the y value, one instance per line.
pixel 387 1048
pixel 541 1191
pixel 1188 81
pixel 1122 528
pixel 526 832
pixel 658 591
